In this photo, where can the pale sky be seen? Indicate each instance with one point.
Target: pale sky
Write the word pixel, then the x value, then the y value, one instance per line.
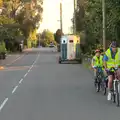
pixel 51 15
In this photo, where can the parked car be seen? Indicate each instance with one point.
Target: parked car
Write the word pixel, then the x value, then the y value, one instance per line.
pixel 52 45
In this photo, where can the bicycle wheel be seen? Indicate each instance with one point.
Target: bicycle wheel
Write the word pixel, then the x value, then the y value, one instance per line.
pixel 98 87
pixel 104 88
pixel 117 93
pixel 95 84
pixel 117 99
pixel 98 84
pixel 114 97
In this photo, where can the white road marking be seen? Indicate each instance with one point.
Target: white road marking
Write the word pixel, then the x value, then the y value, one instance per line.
pixel 25 75
pixel 6 99
pixel 32 66
pixel 2 105
pixel 16 59
pixel 28 70
pixel 36 59
pixel 20 81
pixel 14 89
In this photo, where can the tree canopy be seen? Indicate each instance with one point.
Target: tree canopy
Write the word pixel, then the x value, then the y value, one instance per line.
pixel 89 19
pixel 47 37
pixel 58 35
pixel 22 16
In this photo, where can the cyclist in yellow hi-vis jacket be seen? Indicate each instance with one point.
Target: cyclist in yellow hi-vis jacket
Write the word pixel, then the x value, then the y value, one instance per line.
pixel 97 61
pixel 111 59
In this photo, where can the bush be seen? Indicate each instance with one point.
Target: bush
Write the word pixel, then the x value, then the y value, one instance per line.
pixel 46 38
pixel 2 47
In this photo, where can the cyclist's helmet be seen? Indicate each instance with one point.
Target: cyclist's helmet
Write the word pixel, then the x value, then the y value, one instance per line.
pixel 97 50
pixel 113 44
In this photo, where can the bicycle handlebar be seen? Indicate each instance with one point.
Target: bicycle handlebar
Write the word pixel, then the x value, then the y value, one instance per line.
pixel 113 68
pixel 99 68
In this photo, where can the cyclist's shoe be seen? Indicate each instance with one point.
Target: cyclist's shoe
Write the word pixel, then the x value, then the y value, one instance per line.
pixel 109 96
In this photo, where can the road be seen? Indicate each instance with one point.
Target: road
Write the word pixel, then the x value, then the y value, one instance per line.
pixel 36 87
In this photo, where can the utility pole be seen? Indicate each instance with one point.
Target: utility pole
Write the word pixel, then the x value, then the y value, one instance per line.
pixel 74 19
pixel 104 25
pixel 61 22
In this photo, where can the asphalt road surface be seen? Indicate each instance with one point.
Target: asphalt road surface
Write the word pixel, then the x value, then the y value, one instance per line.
pixel 36 87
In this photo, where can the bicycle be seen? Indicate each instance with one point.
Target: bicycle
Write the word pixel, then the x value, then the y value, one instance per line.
pixel 115 87
pixel 104 85
pixel 99 77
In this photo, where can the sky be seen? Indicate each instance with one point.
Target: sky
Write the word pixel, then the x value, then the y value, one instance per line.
pixel 51 15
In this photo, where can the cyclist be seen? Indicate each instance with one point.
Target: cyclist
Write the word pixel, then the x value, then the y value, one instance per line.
pixel 111 59
pixel 97 61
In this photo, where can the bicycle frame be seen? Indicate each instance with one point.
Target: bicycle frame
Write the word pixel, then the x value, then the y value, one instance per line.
pixel 99 75
pixel 116 88
pixel 116 84
pixel 99 72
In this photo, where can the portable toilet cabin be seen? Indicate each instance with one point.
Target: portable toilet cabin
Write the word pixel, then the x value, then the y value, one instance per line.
pixel 63 47
pixel 71 47
pixel 78 49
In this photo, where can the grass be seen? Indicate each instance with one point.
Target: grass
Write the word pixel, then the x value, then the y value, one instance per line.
pixel 86 65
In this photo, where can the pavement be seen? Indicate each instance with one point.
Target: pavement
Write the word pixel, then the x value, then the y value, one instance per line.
pixel 36 87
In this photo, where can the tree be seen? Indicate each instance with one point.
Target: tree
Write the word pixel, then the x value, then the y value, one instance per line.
pixel 47 37
pixel 89 20
pixel 58 35
pixel 26 14
pixel 30 17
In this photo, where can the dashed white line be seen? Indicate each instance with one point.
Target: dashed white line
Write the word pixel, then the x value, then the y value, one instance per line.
pixel 6 99
pixel 16 59
pixel 25 75
pixel 29 70
pixel 36 59
pixel 14 89
pixel 20 81
pixel 4 102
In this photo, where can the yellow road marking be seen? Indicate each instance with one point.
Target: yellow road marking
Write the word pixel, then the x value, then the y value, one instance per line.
pixel 1 67
pixel 14 68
